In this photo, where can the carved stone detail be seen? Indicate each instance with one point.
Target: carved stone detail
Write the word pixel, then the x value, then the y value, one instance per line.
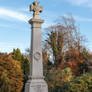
pixel 36 9
pixel 37 56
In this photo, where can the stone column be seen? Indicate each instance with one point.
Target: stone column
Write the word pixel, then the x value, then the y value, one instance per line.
pixel 36 81
pixel 36 57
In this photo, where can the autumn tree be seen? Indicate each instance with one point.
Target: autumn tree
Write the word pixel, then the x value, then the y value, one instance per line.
pixel 55 42
pixel 17 55
pixel 10 73
pixel 86 66
pixel 57 77
pixel 65 44
pixel 4 82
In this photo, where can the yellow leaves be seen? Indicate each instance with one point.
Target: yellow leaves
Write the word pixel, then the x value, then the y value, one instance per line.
pixel 45 56
pixel 14 72
pixel 66 74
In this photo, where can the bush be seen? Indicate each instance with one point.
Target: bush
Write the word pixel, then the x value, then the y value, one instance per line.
pixel 13 73
pixel 80 84
pixel 4 82
pixel 56 78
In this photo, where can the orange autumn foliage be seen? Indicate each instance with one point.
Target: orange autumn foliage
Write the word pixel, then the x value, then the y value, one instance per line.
pixel 13 70
pixel 75 57
pixel 72 65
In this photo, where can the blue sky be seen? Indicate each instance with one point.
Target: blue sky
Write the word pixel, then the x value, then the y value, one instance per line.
pixel 14 14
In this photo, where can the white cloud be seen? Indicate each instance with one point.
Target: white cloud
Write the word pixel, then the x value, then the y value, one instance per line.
pixel 82 19
pixel 13 14
pixel 78 2
pixel 24 9
pixel 79 18
pixel 87 3
pixel 8 47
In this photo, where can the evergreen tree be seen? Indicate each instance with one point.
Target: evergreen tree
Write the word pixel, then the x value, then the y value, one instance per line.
pixel 17 55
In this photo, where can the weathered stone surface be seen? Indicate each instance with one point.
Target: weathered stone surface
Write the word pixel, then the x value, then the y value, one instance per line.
pixel 36 85
pixel 36 10
pixel 36 81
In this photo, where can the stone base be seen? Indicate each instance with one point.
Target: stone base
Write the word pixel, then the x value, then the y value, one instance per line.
pixel 36 85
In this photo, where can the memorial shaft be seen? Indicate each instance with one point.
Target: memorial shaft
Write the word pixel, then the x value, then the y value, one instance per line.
pixel 36 49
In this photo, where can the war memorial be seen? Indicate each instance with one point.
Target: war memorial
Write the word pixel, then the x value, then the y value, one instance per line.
pixel 36 82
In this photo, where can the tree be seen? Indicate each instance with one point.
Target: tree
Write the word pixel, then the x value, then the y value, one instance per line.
pixel 45 56
pixel 55 41
pixel 66 75
pixel 65 44
pixel 25 67
pixel 14 73
pixel 4 82
pixel 53 78
pixel 57 77
pixel 17 54
pixel 25 64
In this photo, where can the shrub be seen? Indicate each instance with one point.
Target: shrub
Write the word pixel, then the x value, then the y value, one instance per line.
pixel 80 84
pixel 13 71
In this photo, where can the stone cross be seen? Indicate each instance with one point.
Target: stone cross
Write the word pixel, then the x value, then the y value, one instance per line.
pixel 36 10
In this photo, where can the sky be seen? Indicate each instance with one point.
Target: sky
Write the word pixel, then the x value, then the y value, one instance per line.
pixel 15 30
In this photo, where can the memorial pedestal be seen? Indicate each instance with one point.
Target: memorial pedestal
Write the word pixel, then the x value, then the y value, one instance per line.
pixel 36 85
